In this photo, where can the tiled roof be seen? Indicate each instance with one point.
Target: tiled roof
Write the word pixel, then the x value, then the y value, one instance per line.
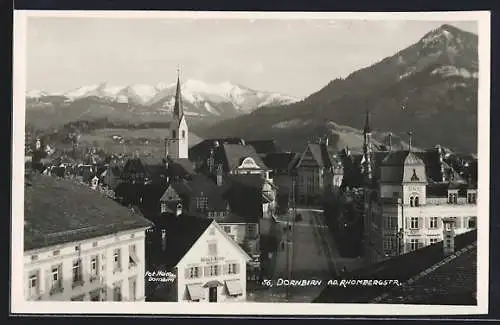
pixel 263 146
pixel 199 185
pixel 180 167
pixel 201 150
pixel 402 157
pixel 404 268
pixel 181 234
pixel 453 283
pixel 281 160
pixel 244 194
pixel 61 211
pixel 232 156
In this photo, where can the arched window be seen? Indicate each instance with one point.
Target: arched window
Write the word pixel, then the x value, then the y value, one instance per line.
pixel 411 201
pixel 416 201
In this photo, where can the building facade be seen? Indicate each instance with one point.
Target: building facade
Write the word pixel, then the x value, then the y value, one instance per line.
pixel 208 266
pixel 314 173
pixel 79 245
pixel 108 268
pixel 406 209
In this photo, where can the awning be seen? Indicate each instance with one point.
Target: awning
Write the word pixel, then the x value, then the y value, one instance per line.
pixel 195 291
pixel 234 287
pixel 213 283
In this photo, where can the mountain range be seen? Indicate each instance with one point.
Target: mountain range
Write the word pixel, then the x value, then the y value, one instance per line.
pixel 139 103
pixel 429 88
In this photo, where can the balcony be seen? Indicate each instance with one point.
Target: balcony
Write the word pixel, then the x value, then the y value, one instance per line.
pixel 56 289
pixel 95 279
pixel 77 283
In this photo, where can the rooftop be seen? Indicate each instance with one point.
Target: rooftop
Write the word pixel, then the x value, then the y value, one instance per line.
pixel 61 211
pixel 423 274
pixel 177 245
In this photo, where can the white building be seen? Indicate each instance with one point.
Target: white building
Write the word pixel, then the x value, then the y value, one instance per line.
pixel 406 210
pixel 80 246
pixel 208 266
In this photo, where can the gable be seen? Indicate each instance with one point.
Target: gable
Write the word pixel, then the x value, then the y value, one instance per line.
pixel 248 163
pixel 227 249
pixel 308 159
pixel 170 194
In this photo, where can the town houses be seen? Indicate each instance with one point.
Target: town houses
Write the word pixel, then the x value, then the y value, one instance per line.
pixel 206 214
pixel 406 196
pixel 80 245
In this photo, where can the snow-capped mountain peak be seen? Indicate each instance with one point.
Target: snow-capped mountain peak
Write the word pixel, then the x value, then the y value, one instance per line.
pixel 200 98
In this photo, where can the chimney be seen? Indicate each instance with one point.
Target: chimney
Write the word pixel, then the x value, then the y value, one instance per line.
pixel 448 236
pixel 219 175
pixel 178 210
pixel 163 239
pixel 390 141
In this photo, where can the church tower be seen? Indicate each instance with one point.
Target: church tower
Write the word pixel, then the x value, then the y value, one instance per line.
pixel 367 148
pixel 177 139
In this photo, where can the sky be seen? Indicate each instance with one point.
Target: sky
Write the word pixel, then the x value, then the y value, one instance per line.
pixel 289 56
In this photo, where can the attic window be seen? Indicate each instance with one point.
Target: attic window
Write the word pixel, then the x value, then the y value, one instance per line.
pixel 415 178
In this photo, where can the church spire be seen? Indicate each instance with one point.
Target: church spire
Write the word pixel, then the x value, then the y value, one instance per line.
pixel 178 109
pixel 367 128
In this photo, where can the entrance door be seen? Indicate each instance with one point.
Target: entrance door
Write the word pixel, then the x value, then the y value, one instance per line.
pixel 212 294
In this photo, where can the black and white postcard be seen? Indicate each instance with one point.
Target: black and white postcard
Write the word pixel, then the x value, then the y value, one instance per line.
pixel 251 163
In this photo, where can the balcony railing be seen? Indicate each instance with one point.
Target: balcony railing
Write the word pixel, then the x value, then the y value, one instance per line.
pixel 77 283
pixel 56 289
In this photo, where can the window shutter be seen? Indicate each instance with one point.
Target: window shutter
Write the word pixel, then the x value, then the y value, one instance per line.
pixel 440 223
pixel 236 268
pixel 458 222
pixel 408 220
pixel 186 273
pixel 421 223
pixel 225 269
pixel 206 271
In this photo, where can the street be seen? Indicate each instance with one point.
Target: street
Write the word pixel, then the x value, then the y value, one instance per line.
pixel 311 253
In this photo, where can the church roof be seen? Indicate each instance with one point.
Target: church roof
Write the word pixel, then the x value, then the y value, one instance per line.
pixel 178 109
pixel 402 158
